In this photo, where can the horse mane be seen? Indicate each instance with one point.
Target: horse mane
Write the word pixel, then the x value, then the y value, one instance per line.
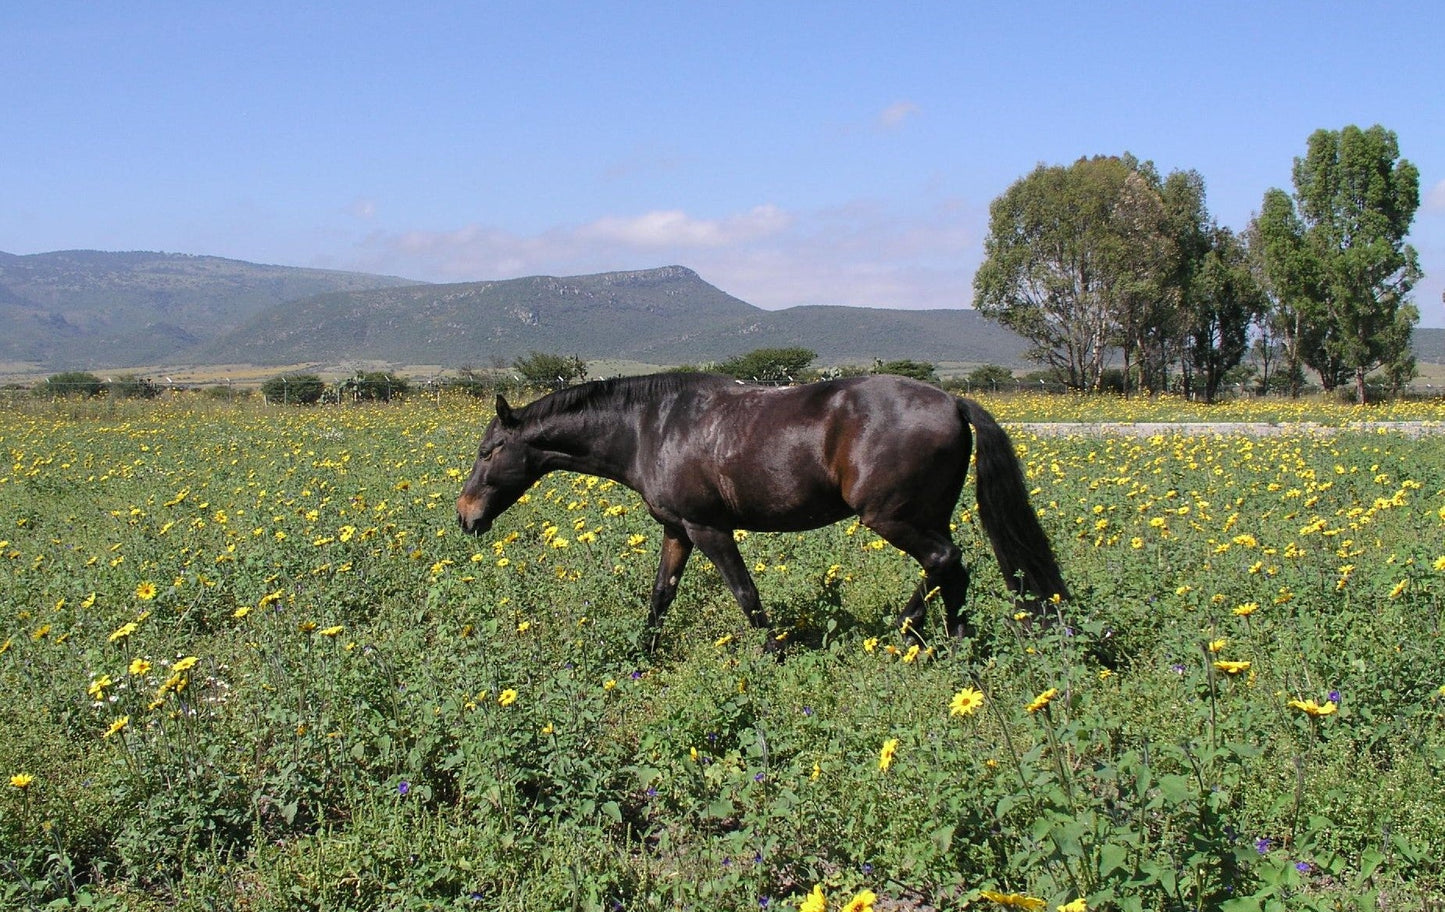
pixel 616 393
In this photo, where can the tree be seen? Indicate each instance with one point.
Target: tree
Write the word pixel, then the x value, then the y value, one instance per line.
pixel 1084 258
pixel 1223 300
pixel 293 389
pixel 540 370
pixel 1288 277
pixel 776 366
pixel 1354 201
pixel 918 370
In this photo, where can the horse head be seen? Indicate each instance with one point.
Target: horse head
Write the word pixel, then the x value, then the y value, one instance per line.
pixel 503 471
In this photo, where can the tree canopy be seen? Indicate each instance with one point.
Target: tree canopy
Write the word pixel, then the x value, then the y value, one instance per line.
pixel 1083 259
pixel 1336 253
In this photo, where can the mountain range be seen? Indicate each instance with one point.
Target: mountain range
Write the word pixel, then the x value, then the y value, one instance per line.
pixel 92 309
pixel 89 310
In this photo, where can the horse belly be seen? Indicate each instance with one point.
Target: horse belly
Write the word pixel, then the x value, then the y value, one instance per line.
pixel 775 499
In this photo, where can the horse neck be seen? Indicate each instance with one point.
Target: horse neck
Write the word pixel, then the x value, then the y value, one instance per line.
pixel 590 441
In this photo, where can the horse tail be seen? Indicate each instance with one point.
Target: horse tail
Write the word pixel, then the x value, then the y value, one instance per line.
pixel 1019 543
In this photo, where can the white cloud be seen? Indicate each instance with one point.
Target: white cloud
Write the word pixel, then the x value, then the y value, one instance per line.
pixel 893 116
pixel 865 253
pixel 674 228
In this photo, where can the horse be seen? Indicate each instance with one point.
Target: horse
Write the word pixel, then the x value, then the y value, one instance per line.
pixel 709 455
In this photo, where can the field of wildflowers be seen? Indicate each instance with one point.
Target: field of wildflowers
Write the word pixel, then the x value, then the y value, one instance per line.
pixel 249 662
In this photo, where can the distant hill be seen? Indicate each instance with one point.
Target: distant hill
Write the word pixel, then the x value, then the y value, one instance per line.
pixel 91 309
pixel 659 316
pixel 85 308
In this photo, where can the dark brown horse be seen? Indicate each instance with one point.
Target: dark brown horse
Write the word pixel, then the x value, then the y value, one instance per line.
pixel 709 455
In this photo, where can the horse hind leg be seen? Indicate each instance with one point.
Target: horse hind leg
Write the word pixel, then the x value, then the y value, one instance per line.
pixel 943 574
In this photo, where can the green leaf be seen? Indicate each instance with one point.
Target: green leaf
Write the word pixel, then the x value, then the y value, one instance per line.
pixel 1111 858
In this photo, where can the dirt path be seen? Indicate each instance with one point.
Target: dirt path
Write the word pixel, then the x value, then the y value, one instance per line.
pixel 1224 428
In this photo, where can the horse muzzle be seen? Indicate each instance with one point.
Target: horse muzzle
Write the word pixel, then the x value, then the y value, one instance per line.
pixel 471 516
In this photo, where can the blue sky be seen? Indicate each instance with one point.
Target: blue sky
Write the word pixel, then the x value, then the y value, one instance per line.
pixel 790 152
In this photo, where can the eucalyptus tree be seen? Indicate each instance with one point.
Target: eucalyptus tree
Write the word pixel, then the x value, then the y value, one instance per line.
pixel 1083 260
pixel 1224 300
pixel 1354 200
pixel 1289 279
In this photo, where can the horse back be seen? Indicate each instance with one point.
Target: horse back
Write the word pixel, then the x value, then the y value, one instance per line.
pixel 802 457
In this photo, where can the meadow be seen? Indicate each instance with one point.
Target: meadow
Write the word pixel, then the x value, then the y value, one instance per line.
pixel 248 661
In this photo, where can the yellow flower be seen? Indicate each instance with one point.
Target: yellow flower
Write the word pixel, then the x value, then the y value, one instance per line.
pixel 964 702
pixel 1042 700
pixel 139 666
pixel 911 654
pixel 1246 609
pixel 885 756
pixel 123 631
pixel 863 902
pixel 1218 645
pixel 1078 905
pixel 145 591
pixel 241 612
pixel 1311 708
pixel 814 901
pixel 120 723
pixel 507 697
pixel 22 780
pixel 1399 589
pixel 870 644
pixel 98 686
pixel 1232 668
pixel 331 631
pixel 1013 900
pixel 184 664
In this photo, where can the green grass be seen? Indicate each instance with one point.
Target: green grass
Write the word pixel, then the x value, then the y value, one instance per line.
pixel 384 713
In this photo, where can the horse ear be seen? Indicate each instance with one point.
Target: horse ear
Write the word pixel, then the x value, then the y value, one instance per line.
pixel 505 416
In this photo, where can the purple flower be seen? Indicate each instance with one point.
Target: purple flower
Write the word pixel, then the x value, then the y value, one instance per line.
pixel 760 777
pixel 1304 867
pixel 1261 845
pixel 403 788
pixel 1334 696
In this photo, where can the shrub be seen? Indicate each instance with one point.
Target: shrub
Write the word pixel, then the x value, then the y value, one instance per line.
pixel 297 389
pixel 71 383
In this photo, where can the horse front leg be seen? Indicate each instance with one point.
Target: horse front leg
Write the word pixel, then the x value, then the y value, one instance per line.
pixel 722 550
pixel 676 547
